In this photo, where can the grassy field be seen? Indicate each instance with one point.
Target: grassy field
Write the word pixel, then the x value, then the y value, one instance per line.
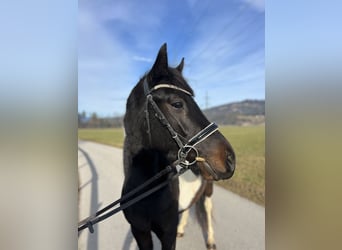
pixel 248 143
pixel 249 178
pixel 109 136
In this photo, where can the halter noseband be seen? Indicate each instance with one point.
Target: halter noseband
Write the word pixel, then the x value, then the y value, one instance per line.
pixel 184 148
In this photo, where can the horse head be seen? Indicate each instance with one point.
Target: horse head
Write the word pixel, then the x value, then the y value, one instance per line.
pixel 179 120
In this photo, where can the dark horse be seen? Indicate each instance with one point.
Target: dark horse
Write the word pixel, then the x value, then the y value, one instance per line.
pixel 150 146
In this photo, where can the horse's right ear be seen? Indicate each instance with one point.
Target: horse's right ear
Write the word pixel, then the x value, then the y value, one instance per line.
pixel 160 66
pixel 180 66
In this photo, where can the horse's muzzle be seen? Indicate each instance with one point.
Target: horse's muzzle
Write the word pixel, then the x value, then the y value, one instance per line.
pixel 229 168
pixel 230 162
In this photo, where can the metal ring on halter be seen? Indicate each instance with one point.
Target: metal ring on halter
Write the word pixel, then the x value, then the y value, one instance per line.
pixel 182 155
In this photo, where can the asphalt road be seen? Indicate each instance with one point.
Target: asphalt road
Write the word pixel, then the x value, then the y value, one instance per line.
pixel 238 223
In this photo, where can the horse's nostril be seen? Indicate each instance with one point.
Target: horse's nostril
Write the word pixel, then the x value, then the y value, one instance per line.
pixel 231 161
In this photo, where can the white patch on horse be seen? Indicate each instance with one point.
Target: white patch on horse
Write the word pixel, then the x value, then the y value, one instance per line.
pixel 124 130
pixel 208 209
pixel 189 184
pixel 182 223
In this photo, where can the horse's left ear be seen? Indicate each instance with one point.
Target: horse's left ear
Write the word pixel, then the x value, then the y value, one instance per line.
pixel 160 66
pixel 180 66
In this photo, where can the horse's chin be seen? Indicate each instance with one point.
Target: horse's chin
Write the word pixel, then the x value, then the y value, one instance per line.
pixel 210 173
pixel 204 172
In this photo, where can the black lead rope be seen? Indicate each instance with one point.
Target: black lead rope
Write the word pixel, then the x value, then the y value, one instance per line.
pixel 94 219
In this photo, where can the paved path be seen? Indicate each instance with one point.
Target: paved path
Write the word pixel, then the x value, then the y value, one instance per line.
pixel 239 224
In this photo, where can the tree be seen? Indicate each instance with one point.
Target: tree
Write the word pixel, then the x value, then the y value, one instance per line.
pixel 82 120
pixel 94 121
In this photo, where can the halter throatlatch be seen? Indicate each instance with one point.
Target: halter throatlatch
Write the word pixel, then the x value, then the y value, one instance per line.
pixel 190 145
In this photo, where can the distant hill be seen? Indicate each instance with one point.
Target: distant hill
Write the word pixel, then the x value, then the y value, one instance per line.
pixel 248 112
pixel 244 113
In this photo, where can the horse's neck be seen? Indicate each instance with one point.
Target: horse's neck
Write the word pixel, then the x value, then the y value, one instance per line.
pixel 190 187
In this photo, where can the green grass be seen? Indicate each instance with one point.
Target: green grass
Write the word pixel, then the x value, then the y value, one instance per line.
pixel 109 136
pixel 248 143
pixel 249 178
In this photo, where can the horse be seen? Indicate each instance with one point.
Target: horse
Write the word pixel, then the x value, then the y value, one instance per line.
pixel 164 126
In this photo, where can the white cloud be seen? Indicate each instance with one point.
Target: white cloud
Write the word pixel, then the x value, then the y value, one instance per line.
pixel 142 59
pixel 256 4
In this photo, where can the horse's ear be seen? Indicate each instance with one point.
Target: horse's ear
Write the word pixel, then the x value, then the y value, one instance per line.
pixel 180 66
pixel 160 66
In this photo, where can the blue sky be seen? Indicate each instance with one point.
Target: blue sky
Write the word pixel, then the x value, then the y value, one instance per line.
pixel 222 42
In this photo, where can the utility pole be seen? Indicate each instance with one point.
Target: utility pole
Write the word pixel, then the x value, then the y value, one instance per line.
pixel 206 100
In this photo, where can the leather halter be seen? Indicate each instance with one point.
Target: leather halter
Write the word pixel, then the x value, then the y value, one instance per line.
pixel 184 148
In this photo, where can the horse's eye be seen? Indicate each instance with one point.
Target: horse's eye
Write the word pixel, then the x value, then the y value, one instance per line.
pixel 177 105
